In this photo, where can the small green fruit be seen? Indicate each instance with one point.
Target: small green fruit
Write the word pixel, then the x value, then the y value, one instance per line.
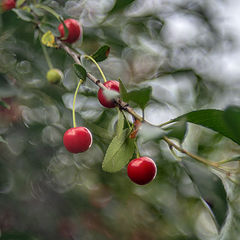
pixel 54 75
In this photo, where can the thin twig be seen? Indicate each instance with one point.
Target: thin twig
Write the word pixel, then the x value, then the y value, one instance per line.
pixel 124 106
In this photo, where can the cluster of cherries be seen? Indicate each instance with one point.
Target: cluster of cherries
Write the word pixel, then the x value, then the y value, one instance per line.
pixel 141 170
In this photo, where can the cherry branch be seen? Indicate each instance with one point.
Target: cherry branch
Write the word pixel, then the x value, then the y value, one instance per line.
pixel 124 106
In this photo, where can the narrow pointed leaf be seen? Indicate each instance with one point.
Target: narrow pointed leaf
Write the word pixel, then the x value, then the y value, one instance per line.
pixel 209 118
pixel 101 54
pixel 119 152
pixel 19 3
pixel 24 15
pixel 123 91
pixel 210 189
pixel 120 5
pixel 231 116
pixel 66 31
pixel 80 71
pixel 4 104
pixel 2 140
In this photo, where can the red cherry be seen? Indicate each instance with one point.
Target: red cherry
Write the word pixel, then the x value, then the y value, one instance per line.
pixel 8 4
pixel 112 85
pixel 142 170
pixel 78 139
pixel 74 30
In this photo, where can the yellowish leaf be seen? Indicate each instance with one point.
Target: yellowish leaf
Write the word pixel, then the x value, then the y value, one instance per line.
pixel 48 39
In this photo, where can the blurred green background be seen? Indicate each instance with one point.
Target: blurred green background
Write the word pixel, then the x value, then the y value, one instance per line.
pixel 188 51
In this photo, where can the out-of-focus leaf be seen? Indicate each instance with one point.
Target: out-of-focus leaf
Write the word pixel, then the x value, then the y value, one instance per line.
pixel 19 3
pixel 101 54
pixel 177 130
pixel 231 116
pixel 120 123
pixel 118 153
pixel 120 5
pixel 80 71
pixel 2 140
pixel 150 133
pixel 209 118
pixel 39 12
pixel 16 236
pixel 210 189
pixel 4 104
pixel 50 10
pixel 48 39
pixel 24 15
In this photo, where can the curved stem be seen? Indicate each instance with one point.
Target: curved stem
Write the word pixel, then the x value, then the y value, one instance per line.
pixel 49 62
pixel 124 106
pixel 74 101
pixel 200 159
pixel 100 70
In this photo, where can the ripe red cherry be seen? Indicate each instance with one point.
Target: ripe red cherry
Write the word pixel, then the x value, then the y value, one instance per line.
pixel 74 30
pixel 8 4
pixel 78 139
pixel 108 103
pixel 142 170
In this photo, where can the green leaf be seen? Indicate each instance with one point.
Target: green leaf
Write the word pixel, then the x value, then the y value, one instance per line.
pixel 66 31
pixel 80 71
pixel 210 189
pixel 50 10
pixel 209 118
pixel 119 152
pixel 4 104
pixel 2 140
pixel 231 116
pixel 120 5
pixel 177 130
pixel 19 3
pixel 140 96
pixel 123 91
pixel 120 123
pixel 101 54
pixel 37 11
pixel 24 15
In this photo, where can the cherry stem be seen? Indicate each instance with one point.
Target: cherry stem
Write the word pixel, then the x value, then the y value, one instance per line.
pixel 128 109
pixel 100 70
pixel 49 63
pixel 74 101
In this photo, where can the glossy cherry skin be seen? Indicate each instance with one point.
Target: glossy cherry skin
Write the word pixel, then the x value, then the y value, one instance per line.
pixel 8 4
pixel 74 30
pixel 142 170
pixel 78 139
pixel 112 85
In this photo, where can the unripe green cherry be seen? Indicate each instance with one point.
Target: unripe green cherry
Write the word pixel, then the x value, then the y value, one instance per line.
pixel 54 76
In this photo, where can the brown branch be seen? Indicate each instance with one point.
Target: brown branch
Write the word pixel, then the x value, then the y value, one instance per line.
pixel 124 106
